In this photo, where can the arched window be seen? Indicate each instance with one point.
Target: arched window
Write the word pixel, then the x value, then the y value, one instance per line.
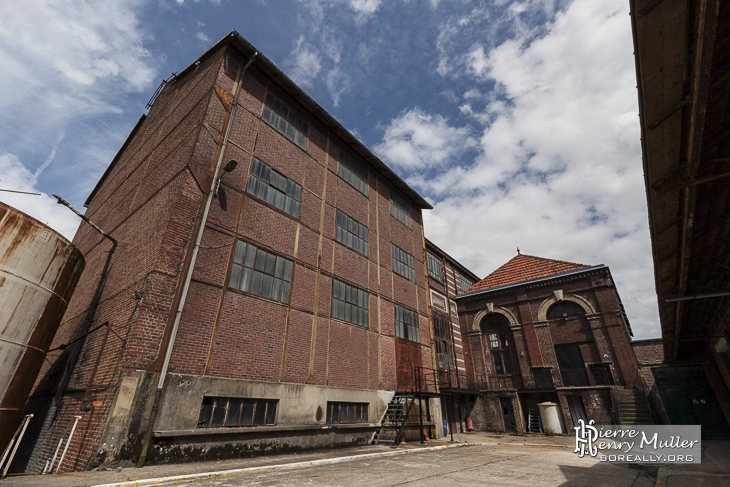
pixel 497 327
pixel 493 321
pixel 563 309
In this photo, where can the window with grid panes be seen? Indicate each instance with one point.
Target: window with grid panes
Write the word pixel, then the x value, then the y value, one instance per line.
pixel 260 273
pixel 443 341
pixel 285 121
pixel 435 268
pixel 464 284
pixel 218 412
pixel 349 303
pixel 406 324
pixel 354 173
pixel 347 412
pixel 351 233
pixel 400 210
pixel 275 189
pixel 403 263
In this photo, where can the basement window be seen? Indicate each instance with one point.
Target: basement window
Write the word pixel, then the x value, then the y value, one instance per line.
pixel 347 412
pixel 403 263
pixel 220 412
pixel 260 273
pixel 291 125
pixel 275 189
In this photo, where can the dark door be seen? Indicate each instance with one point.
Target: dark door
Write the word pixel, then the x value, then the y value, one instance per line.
pixel 689 399
pixel 572 366
pixel 407 356
pixel 507 413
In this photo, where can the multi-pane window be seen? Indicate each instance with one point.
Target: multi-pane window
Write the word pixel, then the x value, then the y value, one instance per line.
pixel 349 303
pixel 285 121
pixel 260 273
pixel 347 412
pixel 403 263
pixel 435 268
pixel 351 233
pixel 277 190
pixel 218 412
pixel 443 341
pixel 464 284
pixel 400 210
pixel 406 324
pixel 354 173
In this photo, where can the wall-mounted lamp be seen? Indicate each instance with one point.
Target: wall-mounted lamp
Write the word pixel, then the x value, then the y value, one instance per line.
pixel 230 166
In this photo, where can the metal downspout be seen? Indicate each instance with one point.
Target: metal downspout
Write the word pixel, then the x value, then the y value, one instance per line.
pixel 194 255
pixel 75 350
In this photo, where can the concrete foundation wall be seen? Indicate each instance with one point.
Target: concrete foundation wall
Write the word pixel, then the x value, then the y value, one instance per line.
pixel 300 421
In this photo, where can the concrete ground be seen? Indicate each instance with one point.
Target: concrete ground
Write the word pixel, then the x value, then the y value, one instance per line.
pixel 475 459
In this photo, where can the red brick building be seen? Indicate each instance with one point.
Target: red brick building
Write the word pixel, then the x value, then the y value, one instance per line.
pixel 310 259
pixel 545 331
pixel 447 278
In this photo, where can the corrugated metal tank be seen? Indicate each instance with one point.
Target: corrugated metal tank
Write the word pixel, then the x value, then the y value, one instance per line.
pixel 39 270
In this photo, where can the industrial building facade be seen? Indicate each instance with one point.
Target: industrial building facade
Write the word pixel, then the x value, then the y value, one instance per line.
pixel 551 333
pixel 308 272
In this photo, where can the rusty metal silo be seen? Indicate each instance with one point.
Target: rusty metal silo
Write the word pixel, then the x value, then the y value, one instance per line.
pixel 39 270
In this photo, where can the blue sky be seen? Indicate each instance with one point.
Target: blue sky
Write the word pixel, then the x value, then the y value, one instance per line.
pixel 517 120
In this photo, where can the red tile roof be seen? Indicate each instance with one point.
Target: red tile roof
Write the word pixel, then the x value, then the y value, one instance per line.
pixel 524 268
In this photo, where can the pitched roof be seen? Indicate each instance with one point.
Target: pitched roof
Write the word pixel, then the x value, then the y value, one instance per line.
pixel 524 268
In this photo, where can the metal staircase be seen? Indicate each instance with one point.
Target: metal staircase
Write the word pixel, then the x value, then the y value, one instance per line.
pixel 631 407
pixel 534 423
pixel 395 418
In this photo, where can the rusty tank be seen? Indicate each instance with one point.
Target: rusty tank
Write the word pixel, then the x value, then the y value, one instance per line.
pixel 39 270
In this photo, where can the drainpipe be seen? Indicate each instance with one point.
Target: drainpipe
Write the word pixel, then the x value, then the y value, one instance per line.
pixel 75 349
pixel 194 255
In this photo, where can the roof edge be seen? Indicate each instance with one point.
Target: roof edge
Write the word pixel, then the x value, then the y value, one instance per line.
pixel 532 281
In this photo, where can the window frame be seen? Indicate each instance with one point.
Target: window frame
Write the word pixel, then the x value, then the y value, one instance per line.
pixel 403 329
pixel 402 267
pixel 209 405
pixel 361 411
pixel 265 184
pixel 462 279
pixel 353 172
pixel 276 112
pixel 400 210
pixel 432 259
pixel 274 269
pixel 346 237
pixel 340 312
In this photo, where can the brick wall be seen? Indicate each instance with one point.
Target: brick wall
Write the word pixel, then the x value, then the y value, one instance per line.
pixel 149 200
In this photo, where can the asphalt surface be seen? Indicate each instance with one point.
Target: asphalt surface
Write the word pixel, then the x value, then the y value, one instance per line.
pixel 475 459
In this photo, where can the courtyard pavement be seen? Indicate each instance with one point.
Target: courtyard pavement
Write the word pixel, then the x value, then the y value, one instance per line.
pixel 473 459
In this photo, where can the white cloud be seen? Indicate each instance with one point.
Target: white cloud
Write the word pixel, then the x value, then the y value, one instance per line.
pixel 365 6
pixel 202 37
pixel 61 61
pixel 14 176
pixel 559 167
pixel 305 64
pixel 416 140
